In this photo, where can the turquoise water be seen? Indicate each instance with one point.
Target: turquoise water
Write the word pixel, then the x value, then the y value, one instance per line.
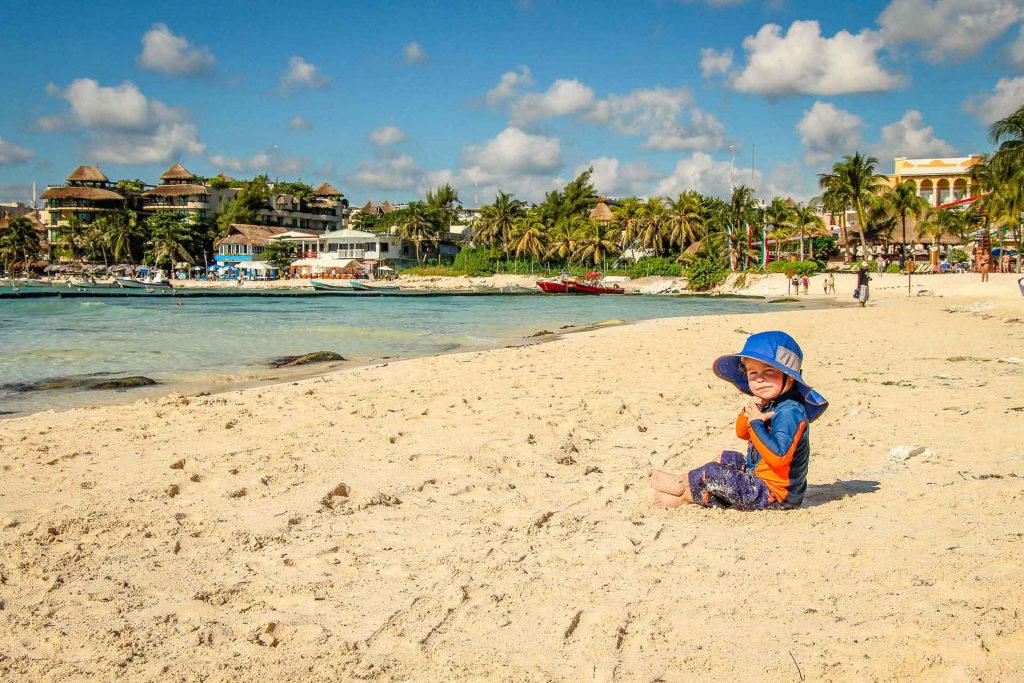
pixel 228 340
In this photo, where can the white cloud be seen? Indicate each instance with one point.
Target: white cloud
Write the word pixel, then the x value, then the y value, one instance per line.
pixel 1007 98
pixel 513 161
pixel 387 135
pixel 713 62
pixel 391 173
pixel 173 55
pixel 786 180
pixel 1015 51
pixel 302 74
pixel 804 62
pixel 299 122
pixel 614 178
pixel 123 125
pixel 826 131
pixel 658 114
pixel 508 87
pixel 948 28
pixel 11 154
pixel 413 53
pixel 514 152
pixel 909 137
pixel 563 98
pixel 262 162
pixel 705 175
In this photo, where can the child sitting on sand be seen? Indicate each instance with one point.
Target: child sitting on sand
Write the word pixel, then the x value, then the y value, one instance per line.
pixel 775 424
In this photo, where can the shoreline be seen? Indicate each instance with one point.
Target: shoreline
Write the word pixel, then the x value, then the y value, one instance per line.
pixel 500 495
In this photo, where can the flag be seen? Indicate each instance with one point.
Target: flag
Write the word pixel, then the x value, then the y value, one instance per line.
pixel 764 246
pixel 750 246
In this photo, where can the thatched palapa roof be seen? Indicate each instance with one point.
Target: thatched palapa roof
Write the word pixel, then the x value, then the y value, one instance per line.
pixel 388 207
pixel 256 235
pixel 178 190
pixel 89 174
pixel 226 178
pixel 370 207
pixel 602 212
pixel 177 172
pixel 80 193
pixel 326 190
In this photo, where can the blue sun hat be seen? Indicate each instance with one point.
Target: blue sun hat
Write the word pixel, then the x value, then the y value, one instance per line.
pixel 780 351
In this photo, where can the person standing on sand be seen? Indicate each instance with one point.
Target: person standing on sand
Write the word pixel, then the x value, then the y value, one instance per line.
pixel 831 283
pixel 775 425
pixel 806 283
pixel 862 283
pixel 986 264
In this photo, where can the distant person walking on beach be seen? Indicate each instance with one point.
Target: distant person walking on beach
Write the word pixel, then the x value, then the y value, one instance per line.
pixel 862 283
pixel 831 283
pixel 775 425
pixel 1005 262
pixel 806 283
pixel 985 266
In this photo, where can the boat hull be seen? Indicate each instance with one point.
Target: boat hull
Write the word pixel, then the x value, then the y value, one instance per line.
pixel 129 283
pixel 326 287
pixel 581 288
pixel 553 287
pixel 362 287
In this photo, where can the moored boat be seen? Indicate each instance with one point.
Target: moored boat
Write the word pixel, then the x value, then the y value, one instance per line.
pixel 80 284
pixel 331 287
pixel 363 287
pixel 589 284
pixel 132 283
pixel 555 285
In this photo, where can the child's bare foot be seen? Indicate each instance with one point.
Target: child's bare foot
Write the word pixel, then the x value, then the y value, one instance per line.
pixel 667 500
pixel 668 483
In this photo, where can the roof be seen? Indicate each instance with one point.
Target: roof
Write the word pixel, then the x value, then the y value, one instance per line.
pixel 175 190
pixel 31 217
pixel 601 212
pixel 326 190
pixel 225 177
pixel 90 174
pixel 348 233
pixel 80 193
pixel 256 235
pixel 177 172
pixel 286 199
pixel 370 207
pixel 388 207
pixel 297 235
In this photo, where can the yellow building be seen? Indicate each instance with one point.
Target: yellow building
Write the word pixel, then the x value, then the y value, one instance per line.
pixel 940 181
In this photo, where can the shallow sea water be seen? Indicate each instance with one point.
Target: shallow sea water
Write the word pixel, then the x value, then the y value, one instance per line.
pixel 198 341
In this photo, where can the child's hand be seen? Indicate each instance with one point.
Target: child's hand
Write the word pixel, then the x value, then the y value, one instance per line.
pixel 753 412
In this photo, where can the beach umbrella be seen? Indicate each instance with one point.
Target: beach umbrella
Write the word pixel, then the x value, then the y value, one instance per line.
pixel 387 268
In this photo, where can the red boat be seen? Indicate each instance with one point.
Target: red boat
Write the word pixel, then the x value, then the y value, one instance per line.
pixel 567 285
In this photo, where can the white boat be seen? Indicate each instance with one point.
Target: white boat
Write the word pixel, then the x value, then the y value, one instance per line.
pixel 135 283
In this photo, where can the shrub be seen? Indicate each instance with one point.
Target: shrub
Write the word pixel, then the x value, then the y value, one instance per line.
pixel 704 274
pixel 893 268
pixel 800 268
pixel 651 265
pixel 474 262
pixel 958 256
pixel 437 271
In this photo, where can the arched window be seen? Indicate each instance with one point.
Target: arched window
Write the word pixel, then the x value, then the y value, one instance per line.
pixel 943 195
pixel 959 189
pixel 927 190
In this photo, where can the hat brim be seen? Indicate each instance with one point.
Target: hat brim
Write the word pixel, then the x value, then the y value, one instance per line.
pixel 729 368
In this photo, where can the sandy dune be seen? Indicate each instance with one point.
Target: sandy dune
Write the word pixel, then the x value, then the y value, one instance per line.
pixel 486 515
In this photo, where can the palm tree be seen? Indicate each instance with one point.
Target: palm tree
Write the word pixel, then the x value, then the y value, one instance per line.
pixel 529 238
pixel 597 244
pixel 71 235
pixel 1008 134
pixel 96 238
pixel 652 226
pixel 124 229
pixel 418 226
pixel 861 185
pixel 169 236
pixel 19 239
pixel 495 223
pixel 629 216
pixel 779 215
pixel 903 200
pixel 834 200
pixel 685 222
pixel 807 222
pixel 562 238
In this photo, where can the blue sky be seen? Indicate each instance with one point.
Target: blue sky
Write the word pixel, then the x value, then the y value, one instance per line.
pixel 386 99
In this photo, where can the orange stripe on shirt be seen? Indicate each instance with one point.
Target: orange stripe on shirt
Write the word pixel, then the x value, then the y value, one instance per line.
pixel 773 469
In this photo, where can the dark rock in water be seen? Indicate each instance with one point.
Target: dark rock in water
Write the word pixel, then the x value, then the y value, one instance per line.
pixel 124 383
pixel 542 333
pixel 315 357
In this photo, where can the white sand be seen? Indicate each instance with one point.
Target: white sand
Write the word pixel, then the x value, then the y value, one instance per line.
pixel 498 524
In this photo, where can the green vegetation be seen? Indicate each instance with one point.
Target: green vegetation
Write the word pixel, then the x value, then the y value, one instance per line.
pixel 704 274
pixel 800 268
pixel 279 254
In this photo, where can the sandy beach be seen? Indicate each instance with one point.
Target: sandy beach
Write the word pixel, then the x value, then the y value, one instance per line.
pixel 486 515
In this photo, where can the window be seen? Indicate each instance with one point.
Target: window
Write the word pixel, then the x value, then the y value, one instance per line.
pixel 383 247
